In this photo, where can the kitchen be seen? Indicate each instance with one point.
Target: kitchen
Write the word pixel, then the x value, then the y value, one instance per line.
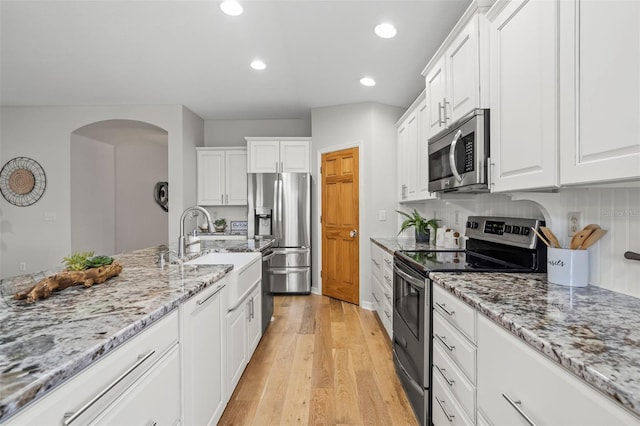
pixel 613 205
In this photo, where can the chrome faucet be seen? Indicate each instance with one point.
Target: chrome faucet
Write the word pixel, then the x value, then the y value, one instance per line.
pixel 181 239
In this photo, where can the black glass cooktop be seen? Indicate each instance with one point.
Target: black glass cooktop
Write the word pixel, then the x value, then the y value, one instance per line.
pixel 456 261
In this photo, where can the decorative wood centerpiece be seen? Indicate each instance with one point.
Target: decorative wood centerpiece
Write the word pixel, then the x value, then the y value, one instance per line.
pixel 81 269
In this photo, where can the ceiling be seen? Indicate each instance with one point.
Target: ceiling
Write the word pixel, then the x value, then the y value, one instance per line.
pixel 59 52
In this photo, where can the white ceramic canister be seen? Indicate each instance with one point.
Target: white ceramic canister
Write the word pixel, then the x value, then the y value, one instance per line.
pixel 568 267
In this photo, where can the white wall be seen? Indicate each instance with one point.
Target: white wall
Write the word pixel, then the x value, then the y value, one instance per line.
pixel 92 195
pixel 192 137
pixel 233 132
pixel 371 127
pixel 615 209
pixel 140 222
pixel 44 134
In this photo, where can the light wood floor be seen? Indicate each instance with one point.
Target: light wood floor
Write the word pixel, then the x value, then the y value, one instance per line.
pixel 321 361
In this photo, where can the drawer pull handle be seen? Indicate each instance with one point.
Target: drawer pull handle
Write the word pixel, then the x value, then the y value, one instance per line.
pixel 375 297
pixel 200 302
pixel 446 311
pixel 387 314
pixel 388 296
pixel 450 417
pixel 516 405
pixel 444 376
pixel 449 348
pixel 71 417
pixel 387 261
pixel 387 279
pixel 374 261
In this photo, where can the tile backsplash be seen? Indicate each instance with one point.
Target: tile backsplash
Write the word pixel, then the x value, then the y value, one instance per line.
pixel 615 209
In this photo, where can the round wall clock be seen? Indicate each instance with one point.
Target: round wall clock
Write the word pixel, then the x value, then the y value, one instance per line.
pixel 22 181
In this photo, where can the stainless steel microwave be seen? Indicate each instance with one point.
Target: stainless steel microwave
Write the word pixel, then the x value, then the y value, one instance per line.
pixel 459 155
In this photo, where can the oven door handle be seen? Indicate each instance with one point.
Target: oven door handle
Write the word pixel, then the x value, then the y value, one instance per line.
pixel 414 282
pixel 452 156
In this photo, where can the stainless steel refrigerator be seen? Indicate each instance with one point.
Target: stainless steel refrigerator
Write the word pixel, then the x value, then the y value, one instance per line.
pixel 280 208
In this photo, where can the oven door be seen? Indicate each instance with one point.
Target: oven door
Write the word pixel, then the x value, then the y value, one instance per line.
pixel 411 335
pixel 458 156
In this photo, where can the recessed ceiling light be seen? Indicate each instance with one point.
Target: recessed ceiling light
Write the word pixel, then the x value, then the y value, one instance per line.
pixel 367 81
pixel 231 7
pixel 385 30
pixel 258 65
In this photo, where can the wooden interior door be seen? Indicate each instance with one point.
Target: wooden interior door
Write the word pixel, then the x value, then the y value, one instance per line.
pixel 340 226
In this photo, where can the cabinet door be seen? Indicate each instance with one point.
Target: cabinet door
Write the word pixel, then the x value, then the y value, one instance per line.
pixel 523 96
pixel 236 178
pixel 236 352
pixel 403 175
pixel 202 341
pixel 411 157
pixel 422 175
pixel 294 157
pixel 463 81
pixel 211 177
pixel 436 93
pixel 263 156
pixel 600 77
pixel 254 321
pixel 154 399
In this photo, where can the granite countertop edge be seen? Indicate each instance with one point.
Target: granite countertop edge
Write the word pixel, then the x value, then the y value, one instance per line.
pixel 53 378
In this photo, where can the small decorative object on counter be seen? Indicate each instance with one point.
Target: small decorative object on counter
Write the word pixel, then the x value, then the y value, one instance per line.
pixel 421 225
pixel 568 267
pixel 81 269
pixel 220 224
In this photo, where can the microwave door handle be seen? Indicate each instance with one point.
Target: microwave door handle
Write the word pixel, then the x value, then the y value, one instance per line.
pixel 452 156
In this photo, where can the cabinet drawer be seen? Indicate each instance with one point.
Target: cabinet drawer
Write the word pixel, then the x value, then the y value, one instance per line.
pixel 445 409
pixel 459 314
pixel 455 346
pixel 459 386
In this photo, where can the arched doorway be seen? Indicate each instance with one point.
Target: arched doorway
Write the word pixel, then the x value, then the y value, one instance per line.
pixel 115 165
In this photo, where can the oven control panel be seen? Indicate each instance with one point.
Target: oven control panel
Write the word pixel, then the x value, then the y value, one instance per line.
pixel 505 230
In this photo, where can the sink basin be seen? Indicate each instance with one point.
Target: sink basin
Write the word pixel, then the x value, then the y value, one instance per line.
pixel 246 272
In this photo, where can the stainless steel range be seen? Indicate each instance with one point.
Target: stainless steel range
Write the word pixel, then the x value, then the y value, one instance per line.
pixel 495 244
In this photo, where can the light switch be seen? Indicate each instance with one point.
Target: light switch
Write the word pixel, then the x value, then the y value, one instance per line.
pixel 50 216
pixel 382 215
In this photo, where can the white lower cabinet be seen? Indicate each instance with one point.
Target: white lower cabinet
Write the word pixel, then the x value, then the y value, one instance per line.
pixel 454 360
pixel 382 286
pixel 152 399
pixel 203 364
pixel 516 383
pixel 243 333
pixel 137 383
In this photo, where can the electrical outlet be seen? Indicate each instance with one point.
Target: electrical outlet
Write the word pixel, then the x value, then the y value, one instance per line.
pixel 23 266
pixel 574 220
pixel 382 215
pixel 457 218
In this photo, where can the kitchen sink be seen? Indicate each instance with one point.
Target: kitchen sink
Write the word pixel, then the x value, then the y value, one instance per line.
pixel 241 280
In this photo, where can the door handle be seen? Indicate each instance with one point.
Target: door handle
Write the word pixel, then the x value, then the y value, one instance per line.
pixel 452 156
pixel 353 233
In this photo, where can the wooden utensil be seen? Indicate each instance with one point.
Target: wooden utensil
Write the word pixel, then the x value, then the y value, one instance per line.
pixel 593 238
pixel 550 236
pixel 579 238
pixel 540 237
pixel 592 226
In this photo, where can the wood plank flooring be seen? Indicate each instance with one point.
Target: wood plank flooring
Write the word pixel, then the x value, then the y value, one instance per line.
pixel 321 361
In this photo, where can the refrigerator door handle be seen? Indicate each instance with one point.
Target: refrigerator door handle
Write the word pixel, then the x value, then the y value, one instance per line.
pixel 285 271
pixel 279 210
pixel 290 250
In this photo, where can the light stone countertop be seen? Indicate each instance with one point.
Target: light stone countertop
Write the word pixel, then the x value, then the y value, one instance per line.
pixel 45 343
pixel 592 332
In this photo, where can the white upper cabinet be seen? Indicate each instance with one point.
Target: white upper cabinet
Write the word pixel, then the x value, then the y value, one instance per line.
pixel 524 88
pixel 413 160
pixel 279 155
pixel 599 101
pixel 456 77
pixel 221 176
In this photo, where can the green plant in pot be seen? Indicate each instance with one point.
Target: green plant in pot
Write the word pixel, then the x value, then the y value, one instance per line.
pixel 220 224
pixel 420 224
